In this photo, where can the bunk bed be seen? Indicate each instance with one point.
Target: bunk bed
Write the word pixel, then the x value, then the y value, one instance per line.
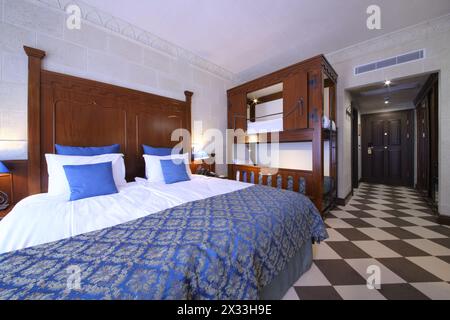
pixel 300 105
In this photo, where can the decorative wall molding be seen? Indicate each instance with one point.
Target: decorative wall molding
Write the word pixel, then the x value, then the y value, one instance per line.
pixel 391 40
pixel 126 29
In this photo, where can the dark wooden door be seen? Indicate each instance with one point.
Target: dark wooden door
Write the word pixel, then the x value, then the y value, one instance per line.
pixel 387 148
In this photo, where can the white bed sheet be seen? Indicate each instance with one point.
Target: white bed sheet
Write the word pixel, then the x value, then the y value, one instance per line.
pixel 264 126
pixel 199 187
pixel 43 218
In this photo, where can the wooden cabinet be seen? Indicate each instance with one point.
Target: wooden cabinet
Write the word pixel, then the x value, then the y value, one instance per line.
pixel 302 95
pixel 295 101
pixel 237 111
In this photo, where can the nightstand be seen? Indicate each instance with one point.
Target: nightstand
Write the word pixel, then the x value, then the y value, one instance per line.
pixel 196 168
pixel 6 186
pixel 4 213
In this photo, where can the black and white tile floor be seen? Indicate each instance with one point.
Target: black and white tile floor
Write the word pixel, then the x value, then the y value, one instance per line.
pixel 391 228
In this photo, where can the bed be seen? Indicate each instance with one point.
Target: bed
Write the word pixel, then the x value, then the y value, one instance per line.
pixel 206 238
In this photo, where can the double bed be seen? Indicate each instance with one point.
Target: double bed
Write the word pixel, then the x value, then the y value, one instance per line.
pixel 205 238
pixel 202 239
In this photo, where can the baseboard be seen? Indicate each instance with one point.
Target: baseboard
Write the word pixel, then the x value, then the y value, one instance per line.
pixel 443 220
pixel 343 202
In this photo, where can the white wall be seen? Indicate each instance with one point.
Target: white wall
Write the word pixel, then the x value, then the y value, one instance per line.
pixel 434 36
pixel 268 109
pixel 96 53
pixel 296 155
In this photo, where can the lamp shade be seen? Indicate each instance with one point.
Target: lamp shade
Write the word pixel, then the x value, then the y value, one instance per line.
pixel 3 168
pixel 201 155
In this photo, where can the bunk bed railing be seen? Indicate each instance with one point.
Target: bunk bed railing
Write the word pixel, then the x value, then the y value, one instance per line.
pixel 288 179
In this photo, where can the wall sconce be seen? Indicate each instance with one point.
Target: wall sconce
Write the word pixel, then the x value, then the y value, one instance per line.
pixel 349 112
pixel 200 155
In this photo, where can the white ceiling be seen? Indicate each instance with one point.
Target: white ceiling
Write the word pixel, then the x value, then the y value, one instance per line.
pixel 251 37
pixel 401 94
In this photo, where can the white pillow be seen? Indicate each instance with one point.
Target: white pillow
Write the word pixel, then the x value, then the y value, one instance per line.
pixel 153 170
pixel 57 180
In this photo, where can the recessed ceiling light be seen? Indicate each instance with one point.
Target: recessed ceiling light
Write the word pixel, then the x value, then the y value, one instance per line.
pixel 387 82
pixel 386 101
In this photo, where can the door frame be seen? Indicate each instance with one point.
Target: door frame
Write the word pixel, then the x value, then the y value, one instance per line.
pixel 355 147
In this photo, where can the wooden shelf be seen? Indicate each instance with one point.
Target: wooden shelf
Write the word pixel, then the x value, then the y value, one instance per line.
pixel 300 135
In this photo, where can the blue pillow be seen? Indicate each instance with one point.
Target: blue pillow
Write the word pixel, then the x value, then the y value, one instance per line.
pixel 174 172
pixel 86 151
pixel 160 152
pixel 90 180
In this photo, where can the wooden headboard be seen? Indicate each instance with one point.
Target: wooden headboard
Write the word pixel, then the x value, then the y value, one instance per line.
pixel 72 111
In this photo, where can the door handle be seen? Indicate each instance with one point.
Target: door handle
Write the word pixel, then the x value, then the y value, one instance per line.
pixel 302 104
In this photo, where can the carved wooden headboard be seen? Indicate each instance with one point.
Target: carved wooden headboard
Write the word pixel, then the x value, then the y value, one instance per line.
pixel 72 111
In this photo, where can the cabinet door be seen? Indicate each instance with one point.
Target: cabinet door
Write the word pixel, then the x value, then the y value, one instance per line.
pixel 295 101
pixel 237 111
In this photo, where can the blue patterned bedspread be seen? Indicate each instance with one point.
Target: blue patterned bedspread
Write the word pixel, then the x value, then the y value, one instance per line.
pixel 225 247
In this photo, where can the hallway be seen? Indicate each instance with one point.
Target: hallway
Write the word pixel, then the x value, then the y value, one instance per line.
pixel 389 227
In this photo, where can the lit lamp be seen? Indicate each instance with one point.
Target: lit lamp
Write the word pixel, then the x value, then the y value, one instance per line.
pixel 201 155
pixel 5 176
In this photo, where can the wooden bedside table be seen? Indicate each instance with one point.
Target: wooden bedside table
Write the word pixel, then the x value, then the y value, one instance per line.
pixel 6 186
pixel 4 213
pixel 196 167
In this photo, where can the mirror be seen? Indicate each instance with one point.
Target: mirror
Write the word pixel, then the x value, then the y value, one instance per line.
pixel 265 110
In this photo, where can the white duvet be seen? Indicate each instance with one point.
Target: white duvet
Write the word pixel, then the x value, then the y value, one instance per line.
pixel 43 218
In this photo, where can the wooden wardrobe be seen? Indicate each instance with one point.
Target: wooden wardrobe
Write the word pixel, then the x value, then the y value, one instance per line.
pixel 304 105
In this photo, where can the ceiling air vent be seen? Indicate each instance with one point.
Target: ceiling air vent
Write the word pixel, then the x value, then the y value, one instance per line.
pixel 404 58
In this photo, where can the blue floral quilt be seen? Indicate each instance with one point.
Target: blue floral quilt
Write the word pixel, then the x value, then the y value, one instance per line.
pixel 225 247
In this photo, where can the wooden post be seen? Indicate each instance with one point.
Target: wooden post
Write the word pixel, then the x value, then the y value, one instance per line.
pixel 35 57
pixel 188 95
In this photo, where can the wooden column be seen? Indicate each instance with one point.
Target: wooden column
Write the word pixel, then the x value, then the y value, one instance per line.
pixel 35 57
pixel 188 95
pixel 315 96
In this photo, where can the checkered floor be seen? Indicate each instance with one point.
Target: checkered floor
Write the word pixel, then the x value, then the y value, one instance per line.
pixel 391 228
